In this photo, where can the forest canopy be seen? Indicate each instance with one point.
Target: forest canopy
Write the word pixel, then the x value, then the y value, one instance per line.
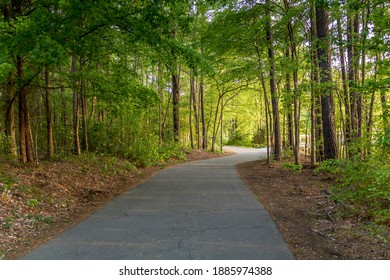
pixel 132 77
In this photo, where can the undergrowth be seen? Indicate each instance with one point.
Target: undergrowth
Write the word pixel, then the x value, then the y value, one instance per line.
pixel 365 183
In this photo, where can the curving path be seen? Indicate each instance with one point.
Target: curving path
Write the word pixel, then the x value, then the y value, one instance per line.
pixel 197 210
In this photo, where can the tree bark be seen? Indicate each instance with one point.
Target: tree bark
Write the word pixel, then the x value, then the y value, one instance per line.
pixel 323 51
pixel 161 95
pixel 49 122
pixel 314 80
pixel 26 143
pixel 294 57
pixel 84 116
pixel 202 115
pixel 175 103
pixel 10 129
pixel 277 149
pixel 195 108
pixel 384 105
pixel 190 114
pixel 352 57
pixel 267 117
pixel 76 111
pixel 290 120
pixel 346 99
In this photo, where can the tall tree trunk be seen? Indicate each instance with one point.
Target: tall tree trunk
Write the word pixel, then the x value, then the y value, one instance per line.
pixel 175 90
pixel 370 117
pixel 295 78
pixel 384 105
pixel 323 51
pixel 10 129
pixel 175 103
pixel 76 111
pixel 195 108
pixel 267 117
pixel 26 143
pixel 160 110
pixel 192 89
pixel 365 19
pixel 277 151
pixel 290 120
pixel 84 116
pixel 49 122
pixel 64 117
pixel 346 99
pixel 313 123
pixel 314 80
pixel 202 115
pixel 352 57
pixel 356 65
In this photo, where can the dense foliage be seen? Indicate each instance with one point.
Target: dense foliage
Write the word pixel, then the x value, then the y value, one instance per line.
pixel 141 79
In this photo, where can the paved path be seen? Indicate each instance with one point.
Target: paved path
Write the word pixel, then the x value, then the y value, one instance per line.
pixel 197 210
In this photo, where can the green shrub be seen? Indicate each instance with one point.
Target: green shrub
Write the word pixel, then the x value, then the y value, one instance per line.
pixel 240 139
pixel 148 152
pixel 364 183
pixel 297 168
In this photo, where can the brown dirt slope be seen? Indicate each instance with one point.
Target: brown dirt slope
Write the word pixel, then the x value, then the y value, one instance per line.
pixel 314 226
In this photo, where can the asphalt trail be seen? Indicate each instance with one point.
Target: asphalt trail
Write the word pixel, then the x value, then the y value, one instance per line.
pixel 197 210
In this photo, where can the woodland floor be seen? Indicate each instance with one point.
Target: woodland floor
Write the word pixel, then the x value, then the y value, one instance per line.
pixel 313 225
pixel 39 201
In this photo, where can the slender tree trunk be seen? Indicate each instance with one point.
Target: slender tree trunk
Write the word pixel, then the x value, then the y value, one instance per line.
pixel 202 115
pixel 192 89
pixel 323 50
pixel 313 125
pixel 84 116
pixel 160 111
pixel 26 143
pixel 385 106
pixel 10 129
pixel 290 120
pixel 196 109
pixel 359 97
pixel 64 118
pixel 49 122
pixel 175 103
pixel 76 110
pixel 346 99
pixel 221 138
pixel 295 78
pixel 277 151
pixel 370 116
pixel 267 118
pixel 314 80
pixel 352 57
pixel 215 124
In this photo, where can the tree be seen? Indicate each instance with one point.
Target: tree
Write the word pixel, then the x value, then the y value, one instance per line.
pixel 277 149
pixel 323 53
